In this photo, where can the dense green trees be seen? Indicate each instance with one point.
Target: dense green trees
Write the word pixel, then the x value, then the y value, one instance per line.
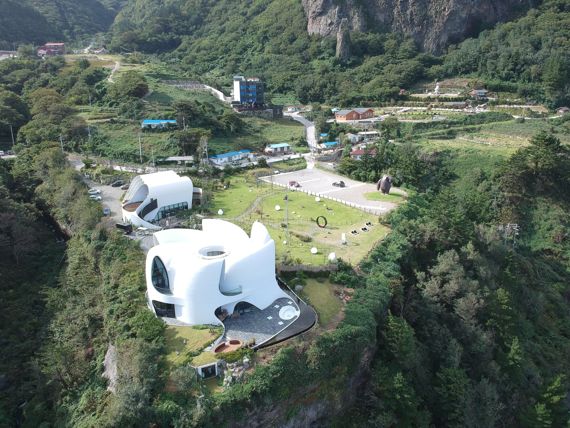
pixel 531 52
pixel 473 341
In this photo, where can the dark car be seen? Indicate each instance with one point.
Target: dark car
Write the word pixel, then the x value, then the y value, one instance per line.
pixel 117 183
pixel 294 183
pixel 106 211
pixel 339 184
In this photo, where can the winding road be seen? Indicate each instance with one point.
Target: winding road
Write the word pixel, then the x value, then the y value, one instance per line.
pixel 309 129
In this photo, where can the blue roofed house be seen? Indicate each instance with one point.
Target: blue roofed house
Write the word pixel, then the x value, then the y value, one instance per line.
pixel 278 149
pixel 158 123
pixel 328 145
pixel 232 158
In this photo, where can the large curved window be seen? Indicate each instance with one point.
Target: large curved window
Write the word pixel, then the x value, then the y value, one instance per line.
pixel 160 276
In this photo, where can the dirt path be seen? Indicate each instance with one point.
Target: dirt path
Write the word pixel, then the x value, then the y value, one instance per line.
pixel 115 69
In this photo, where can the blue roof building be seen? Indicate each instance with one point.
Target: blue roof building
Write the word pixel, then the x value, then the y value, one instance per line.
pixel 330 144
pixel 278 148
pixel 158 123
pixel 226 158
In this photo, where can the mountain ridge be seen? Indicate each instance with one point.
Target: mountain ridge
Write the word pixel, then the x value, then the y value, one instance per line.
pixel 433 24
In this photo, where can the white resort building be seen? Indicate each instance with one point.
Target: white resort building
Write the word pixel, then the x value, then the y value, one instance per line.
pixel 152 197
pixel 199 276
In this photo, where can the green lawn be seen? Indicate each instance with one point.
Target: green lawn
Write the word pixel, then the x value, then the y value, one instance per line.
pixel 379 196
pixel 237 204
pixel 196 339
pixel 205 357
pixel 120 141
pixel 258 133
pixel 319 293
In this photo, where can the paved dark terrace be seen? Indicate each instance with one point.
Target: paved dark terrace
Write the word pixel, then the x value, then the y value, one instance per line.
pixel 258 324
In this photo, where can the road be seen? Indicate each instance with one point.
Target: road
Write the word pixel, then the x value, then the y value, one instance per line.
pixel 111 196
pixel 320 183
pixel 309 129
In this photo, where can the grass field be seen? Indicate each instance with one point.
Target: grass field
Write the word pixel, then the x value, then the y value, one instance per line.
pixel 379 196
pixel 260 132
pixel 319 293
pixel 120 141
pixel 245 202
pixel 183 340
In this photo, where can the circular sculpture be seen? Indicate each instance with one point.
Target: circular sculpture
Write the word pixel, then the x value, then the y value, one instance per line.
pixel 220 212
pixel 314 250
pixel 322 221
pixel 277 208
pixel 287 313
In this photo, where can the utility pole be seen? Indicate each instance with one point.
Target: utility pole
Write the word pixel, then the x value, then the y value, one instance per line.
pixel 152 155
pixel 287 216
pixel 12 134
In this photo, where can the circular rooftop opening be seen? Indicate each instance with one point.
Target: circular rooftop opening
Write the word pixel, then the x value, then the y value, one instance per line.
pixel 213 252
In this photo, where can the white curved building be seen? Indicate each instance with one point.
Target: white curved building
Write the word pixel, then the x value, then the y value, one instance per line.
pixel 198 277
pixel 152 197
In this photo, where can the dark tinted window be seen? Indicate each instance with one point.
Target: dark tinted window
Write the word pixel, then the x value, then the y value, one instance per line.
pixel 164 309
pixel 160 276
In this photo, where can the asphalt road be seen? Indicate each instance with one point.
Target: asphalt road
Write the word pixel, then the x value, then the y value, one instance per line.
pixel 309 128
pixel 110 196
pixel 316 181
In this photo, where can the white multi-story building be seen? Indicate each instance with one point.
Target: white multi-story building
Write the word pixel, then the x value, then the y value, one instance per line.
pixel 199 276
pixel 152 197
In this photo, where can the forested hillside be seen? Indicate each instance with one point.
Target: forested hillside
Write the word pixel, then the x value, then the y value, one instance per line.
pixel 38 21
pixel 214 40
pixel 530 56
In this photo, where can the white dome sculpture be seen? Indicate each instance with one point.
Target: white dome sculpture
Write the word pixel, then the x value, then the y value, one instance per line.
pixel 220 212
pixel 314 250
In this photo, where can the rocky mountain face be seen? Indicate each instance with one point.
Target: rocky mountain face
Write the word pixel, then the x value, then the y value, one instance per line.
pixel 434 24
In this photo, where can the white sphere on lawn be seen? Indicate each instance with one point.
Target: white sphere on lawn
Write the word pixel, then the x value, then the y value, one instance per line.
pixel 277 207
pixel 332 257
pixel 317 199
pixel 314 250
pixel 220 212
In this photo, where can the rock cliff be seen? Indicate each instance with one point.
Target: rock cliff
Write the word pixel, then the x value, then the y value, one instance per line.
pixel 434 24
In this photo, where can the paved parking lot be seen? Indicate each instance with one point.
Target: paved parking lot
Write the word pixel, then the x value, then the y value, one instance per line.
pixel 318 182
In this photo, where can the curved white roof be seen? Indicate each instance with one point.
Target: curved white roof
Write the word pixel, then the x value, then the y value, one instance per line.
pixel 218 266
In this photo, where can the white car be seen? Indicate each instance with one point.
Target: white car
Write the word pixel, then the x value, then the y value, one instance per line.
pixel 95 197
pixel 94 191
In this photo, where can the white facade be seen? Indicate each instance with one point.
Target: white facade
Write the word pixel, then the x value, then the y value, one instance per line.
pixel 151 197
pixel 237 89
pixel 195 275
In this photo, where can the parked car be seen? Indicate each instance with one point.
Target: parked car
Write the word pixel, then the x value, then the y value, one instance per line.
pixel 2 153
pixel 339 184
pixel 294 183
pixel 94 191
pixel 95 197
pixel 125 186
pixel 117 183
pixel 106 211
